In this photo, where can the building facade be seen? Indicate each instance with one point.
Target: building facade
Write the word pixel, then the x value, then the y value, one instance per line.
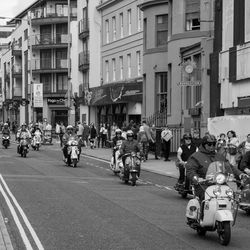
pixel 234 60
pixel 42 81
pixel 118 95
pixel 178 83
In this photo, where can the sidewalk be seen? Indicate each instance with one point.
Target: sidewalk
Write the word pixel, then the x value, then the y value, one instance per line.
pixel 160 166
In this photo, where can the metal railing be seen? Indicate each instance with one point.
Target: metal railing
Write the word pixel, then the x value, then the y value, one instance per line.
pixel 49 39
pixel 49 64
pixel 83 26
pixel 51 12
pixel 83 58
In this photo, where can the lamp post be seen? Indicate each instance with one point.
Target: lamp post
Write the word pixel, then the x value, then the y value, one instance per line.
pixel 69 66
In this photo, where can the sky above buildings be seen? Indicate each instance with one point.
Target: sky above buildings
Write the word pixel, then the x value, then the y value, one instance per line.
pixel 11 8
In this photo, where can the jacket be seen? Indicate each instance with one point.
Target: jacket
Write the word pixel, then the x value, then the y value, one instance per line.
pixel 6 131
pixel 198 163
pixel 129 146
pixel 245 162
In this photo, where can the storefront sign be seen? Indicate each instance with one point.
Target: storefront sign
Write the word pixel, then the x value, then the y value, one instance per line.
pixel 114 93
pixel 38 95
pixel 56 100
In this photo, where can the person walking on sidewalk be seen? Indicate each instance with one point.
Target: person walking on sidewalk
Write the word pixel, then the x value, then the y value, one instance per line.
pixel 166 136
pixel 149 138
pixel 153 142
pixel 143 141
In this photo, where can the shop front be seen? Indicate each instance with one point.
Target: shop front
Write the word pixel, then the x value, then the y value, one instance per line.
pixel 117 102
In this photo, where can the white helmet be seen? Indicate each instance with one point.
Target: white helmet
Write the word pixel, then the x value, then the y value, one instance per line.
pixel 130 133
pixel 6 124
pixel 118 131
pixel 69 127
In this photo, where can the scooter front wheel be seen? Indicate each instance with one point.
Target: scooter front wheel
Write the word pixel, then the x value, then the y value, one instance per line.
pixel 224 233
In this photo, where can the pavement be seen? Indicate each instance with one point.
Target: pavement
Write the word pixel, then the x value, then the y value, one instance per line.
pixel 159 166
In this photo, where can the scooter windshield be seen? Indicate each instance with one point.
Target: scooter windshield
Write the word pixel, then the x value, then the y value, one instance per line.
pixel 215 168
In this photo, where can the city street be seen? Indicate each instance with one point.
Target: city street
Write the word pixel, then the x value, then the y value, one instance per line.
pixel 90 208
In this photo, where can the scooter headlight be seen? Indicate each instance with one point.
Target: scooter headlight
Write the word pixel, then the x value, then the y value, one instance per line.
pixel 220 178
pixel 217 191
pixel 230 193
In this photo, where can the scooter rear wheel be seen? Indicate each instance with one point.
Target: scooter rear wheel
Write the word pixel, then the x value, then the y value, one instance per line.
pixel 225 233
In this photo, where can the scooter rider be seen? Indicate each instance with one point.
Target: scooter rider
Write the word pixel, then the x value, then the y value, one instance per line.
pixel 198 163
pixel 130 145
pixel 186 149
pixel 6 130
pixel 69 133
pixel 21 132
pixel 117 142
pixel 35 128
pixel 245 163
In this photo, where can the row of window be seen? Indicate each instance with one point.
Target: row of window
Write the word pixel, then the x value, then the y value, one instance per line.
pixel 61 82
pixel 111 29
pixel 117 68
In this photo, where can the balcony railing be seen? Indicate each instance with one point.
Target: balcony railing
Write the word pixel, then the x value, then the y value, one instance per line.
pixel 84 60
pixel 49 64
pixel 49 39
pixel 83 28
pixel 17 92
pixel 40 13
pixel 17 69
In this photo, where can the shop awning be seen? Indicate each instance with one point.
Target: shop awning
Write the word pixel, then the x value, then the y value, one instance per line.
pixel 114 93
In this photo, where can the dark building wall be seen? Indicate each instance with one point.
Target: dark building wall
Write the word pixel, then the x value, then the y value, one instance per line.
pixel 215 89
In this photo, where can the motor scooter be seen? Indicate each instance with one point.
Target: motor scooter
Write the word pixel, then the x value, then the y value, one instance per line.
pixel 23 146
pixel 6 141
pixel 36 140
pixel 244 196
pixel 116 162
pixel 217 210
pixel 184 188
pixel 130 170
pixel 73 152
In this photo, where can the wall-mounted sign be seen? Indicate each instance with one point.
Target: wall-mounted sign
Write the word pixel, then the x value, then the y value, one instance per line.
pixel 190 74
pixel 38 95
pixel 56 100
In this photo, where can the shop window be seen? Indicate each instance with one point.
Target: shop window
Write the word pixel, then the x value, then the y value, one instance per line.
pixel 162 91
pixel 192 14
pixel 161 30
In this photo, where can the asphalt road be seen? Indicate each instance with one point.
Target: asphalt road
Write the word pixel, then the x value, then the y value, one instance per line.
pixel 90 208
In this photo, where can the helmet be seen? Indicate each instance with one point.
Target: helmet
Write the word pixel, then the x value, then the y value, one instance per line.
pixel 118 131
pixel 6 124
pixel 36 124
pixel 208 139
pixel 187 136
pixel 24 124
pixel 69 127
pixel 130 133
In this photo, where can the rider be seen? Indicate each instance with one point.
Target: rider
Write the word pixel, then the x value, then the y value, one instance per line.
pixel 69 133
pixel 6 130
pixel 184 151
pixel 23 131
pixel 198 163
pixel 117 142
pixel 35 128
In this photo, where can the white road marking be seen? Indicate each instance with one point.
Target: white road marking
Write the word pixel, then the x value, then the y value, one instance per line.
pixel 24 217
pixel 16 219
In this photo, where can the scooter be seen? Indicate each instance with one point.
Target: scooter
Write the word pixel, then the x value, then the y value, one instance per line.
pixel 73 152
pixel 130 171
pixel 116 162
pixel 23 147
pixel 216 211
pixel 185 188
pixel 6 141
pixel 36 140
pixel 245 196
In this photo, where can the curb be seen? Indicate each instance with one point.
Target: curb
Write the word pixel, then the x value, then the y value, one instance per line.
pixel 144 169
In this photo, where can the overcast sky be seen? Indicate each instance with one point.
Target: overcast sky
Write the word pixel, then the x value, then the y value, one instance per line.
pixel 11 8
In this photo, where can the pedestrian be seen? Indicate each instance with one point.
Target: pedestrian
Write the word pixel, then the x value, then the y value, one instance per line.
pixel 143 141
pixel 166 136
pixel 148 134
pixel 62 132
pixel 153 141
pixel 104 135
pixel 85 134
pixel 196 138
pixel 57 130
pixel 93 134
pixel 232 145
pixel 112 130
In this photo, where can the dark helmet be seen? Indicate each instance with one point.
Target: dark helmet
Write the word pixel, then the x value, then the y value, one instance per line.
pixel 208 139
pixel 187 136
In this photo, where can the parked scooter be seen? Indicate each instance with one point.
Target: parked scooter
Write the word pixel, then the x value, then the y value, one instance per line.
pixel 73 152
pixel 6 141
pixel 245 196
pixel 184 188
pixel 215 212
pixel 36 140
pixel 130 171
pixel 116 162
pixel 23 146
